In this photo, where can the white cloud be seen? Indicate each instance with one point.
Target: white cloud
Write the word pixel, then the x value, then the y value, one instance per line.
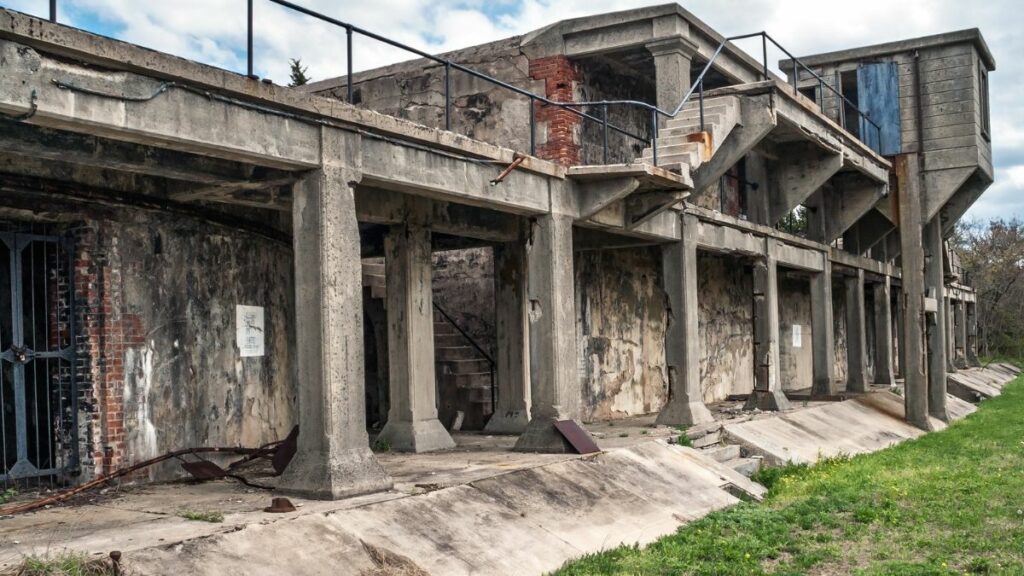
pixel 213 31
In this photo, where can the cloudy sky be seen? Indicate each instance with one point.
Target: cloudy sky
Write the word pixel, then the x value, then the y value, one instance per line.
pixel 213 31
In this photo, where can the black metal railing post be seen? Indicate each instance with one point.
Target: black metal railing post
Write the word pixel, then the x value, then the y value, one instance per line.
pixel 447 95
pixel 821 94
pixel 764 53
pixel 53 10
pixel 796 75
pixel 700 98
pixel 533 128
pixel 348 49
pixel 248 44
pixel 604 134
pixel 654 137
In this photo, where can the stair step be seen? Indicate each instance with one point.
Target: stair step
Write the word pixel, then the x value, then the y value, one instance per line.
pixel 448 340
pixel 746 466
pixel 674 148
pixel 706 440
pixel 444 329
pixel 448 353
pixel 475 365
pixel 472 380
pixel 723 453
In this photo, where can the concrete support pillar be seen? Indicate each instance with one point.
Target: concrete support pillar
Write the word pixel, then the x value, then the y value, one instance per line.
pixel 554 388
pixel 883 332
pixel 672 59
pixel 899 314
pixel 856 334
pixel 972 334
pixel 767 393
pixel 823 350
pixel 960 325
pixel 511 320
pixel 334 458
pixel 685 405
pixel 950 335
pixel 412 419
pixel 937 325
pixel 913 282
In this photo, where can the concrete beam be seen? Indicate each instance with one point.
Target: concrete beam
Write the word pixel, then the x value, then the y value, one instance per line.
pixel 757 120
pixel 376 206
pixel 512 327
pixel 767 393
pixel 334 458
pixel 134 108
pixel 883 331
pixel 597 195
pixel 685 406
pixel 802 169
pixel 850 197
pixel 554 387
pixel 856 334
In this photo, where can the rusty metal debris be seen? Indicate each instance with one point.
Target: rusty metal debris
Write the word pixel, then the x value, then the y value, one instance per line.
pixel 280 505
pixel 280 452
pixel 577 437
pixel 516 161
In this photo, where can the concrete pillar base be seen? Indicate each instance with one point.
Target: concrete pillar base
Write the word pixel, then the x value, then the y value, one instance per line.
pixel 419 436
pixel 351 472
pixel 767 401
pixel 684 414
pixel 513 422
pixel 540 436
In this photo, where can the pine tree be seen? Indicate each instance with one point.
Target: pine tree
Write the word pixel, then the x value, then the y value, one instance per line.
pixel 298 73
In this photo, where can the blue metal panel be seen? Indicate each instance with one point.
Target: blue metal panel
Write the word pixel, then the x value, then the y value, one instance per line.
pixel 878 94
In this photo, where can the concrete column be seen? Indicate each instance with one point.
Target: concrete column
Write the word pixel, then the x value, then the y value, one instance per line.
pixel 672 58
pixel 972 334
pixel 554 387
pixel 899 317
pixel 333 459
pixel 950 335
pixel 883 332
pixel 767 393
pixel 823 350
pixel 912 280
pixel 412 418
pixel 856 334
pixel 685 405
pixel 937 326
pixel 961 334
pixel 511 320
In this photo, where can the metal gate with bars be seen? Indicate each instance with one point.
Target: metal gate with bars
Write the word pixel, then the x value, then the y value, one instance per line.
pixel 38 396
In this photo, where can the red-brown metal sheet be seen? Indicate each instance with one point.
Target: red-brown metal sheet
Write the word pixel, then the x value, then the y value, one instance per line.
pixel 577 437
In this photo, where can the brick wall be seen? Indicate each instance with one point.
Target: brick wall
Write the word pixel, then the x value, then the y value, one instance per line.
pixel 560 76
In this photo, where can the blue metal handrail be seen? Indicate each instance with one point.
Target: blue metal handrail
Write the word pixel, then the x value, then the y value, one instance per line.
pixel 572 107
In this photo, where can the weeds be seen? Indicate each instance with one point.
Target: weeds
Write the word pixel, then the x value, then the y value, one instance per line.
pixel 202 516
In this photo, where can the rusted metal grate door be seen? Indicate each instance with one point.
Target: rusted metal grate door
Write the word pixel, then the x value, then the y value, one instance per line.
pixel 38 396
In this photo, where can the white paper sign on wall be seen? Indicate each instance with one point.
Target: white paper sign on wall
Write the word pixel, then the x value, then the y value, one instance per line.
pixel 250 330
pixel 797 335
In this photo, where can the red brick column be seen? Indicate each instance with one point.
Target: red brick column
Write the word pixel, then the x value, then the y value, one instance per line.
pixel 560 76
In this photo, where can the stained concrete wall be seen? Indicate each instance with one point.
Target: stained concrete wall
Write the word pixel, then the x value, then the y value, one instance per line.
pixel 726 321
pixel 795 357
pixel 621 322
pixel 175 284
pixel 606 79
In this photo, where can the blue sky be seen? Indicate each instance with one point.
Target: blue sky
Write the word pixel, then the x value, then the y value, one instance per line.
pixel 213 31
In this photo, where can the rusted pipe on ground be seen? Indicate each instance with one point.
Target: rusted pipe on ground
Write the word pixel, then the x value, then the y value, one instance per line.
pixel 61 496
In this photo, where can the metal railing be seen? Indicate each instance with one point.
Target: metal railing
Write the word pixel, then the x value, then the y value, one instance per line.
pixel 653 112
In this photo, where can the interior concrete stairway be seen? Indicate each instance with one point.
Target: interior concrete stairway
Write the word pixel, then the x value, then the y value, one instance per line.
pixel 709 439
pixel 463 374
pixel 681 143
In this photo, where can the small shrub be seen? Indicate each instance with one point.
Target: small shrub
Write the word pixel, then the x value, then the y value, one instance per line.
pixel 381 445
pixel 8 495
pixel 771 477
pixel 203 516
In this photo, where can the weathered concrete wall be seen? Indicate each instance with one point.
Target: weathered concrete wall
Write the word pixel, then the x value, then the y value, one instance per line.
pixel 839 329
pixel 726 326
pixel 160 326
pixel 621 321
pixel 795 357
pixel 463 284
pixel 603 79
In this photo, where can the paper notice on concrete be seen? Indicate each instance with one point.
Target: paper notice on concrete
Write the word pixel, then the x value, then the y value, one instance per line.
pixel 797 335
pixel 249 325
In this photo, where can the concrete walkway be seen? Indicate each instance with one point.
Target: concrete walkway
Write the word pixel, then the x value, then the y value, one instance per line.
pixel 976 384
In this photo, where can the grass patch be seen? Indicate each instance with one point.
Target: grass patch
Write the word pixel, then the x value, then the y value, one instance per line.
pixel 951 502
pixel 8 495
pixel 68 564
pixel 202 516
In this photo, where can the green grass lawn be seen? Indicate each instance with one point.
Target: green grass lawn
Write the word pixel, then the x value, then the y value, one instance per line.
pixel 951 502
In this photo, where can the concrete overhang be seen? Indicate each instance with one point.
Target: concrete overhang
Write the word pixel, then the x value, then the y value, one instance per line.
pixel 971 35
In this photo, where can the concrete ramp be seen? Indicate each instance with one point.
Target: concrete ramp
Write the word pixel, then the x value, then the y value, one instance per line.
pixel 524 522
pixel 976 384
pixel 860 425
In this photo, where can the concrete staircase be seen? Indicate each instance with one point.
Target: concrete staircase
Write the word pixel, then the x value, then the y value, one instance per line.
pixel 710 440
pixel 682 143
pixel 463 375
